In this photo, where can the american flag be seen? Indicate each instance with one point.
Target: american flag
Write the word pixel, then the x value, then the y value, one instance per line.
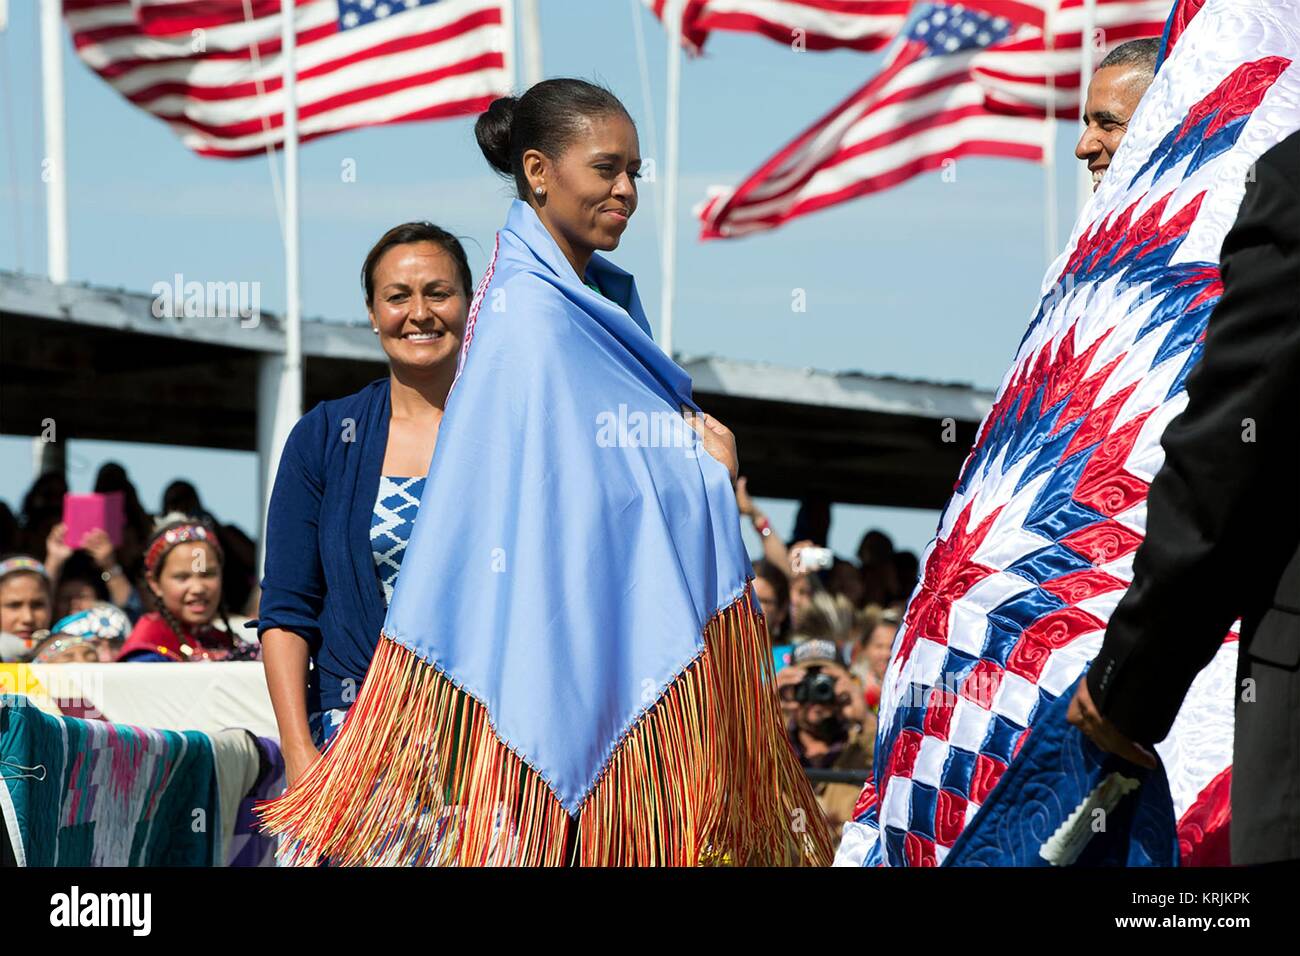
pixel 921 110
pixel 1069 15
pixel 1036 546
pixel 1022 77
pixel 212 68
pixel 818 24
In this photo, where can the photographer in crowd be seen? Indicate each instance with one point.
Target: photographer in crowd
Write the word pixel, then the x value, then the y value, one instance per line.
pixel 829 726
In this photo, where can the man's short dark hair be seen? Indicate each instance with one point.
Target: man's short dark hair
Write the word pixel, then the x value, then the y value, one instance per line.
pixel 1135 53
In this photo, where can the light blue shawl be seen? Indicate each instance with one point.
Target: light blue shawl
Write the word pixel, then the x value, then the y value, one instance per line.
pixel 574 538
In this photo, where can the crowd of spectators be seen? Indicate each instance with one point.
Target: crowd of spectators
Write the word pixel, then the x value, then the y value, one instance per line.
pixel 832 621
pixel 141 597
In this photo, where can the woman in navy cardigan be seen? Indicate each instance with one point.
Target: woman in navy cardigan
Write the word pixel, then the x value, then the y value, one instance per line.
pixel 348 488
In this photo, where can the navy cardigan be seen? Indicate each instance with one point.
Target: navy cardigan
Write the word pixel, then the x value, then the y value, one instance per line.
pixel 320 580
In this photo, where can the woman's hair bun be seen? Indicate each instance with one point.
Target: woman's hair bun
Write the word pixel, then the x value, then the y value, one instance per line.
pixel 549 117
pixel 492 130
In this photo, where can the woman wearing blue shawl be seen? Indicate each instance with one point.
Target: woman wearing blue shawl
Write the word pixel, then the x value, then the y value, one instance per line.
pixel 573 668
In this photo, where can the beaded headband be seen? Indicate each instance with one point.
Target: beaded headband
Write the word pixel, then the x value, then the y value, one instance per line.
pixel 57 643
pixel 100 620
pixel 178 534
pixel 22 563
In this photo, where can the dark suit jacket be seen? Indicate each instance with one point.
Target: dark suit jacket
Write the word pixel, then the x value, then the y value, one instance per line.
pixel 1223 514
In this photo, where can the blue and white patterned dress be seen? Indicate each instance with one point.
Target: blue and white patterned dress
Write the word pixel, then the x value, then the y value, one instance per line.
pixel 396 505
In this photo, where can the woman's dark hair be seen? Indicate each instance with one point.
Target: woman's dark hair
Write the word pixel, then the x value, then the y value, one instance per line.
pixel 8 529
pixel 81 567
pixel 780 584
pixel 181 496
pixel 548 117
pixel 409 232
pixel 43 501
pixel 112 477
pixel 42 510
pixel 774 576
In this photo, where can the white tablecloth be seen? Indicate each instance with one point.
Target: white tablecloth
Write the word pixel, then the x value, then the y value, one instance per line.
pixel 208 696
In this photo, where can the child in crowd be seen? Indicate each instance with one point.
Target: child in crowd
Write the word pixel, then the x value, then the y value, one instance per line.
pixel 92 636
pixel 25 606
pixel 182 565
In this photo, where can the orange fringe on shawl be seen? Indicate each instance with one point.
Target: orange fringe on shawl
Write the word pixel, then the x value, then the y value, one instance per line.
pixel 418 776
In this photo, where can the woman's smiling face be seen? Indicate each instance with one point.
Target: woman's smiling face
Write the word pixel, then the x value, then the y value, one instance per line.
pixel 419 306
pixel 590 188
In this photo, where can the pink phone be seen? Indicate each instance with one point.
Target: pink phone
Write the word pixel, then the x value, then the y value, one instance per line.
pixel 83 513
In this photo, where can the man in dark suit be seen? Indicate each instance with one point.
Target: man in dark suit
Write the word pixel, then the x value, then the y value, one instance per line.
pixel 1223 534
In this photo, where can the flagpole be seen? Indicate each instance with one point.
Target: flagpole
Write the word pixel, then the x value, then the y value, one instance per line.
pixel 50 457
pixel 530 27
pixel 673 14
pixel 511 46
pixel 1050 228
pixel 637 9
pixel 54 166
pixel 281 379
pixel 292 394
pixel 1085 76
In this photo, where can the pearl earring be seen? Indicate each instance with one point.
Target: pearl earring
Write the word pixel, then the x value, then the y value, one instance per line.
pixel 540 191
pixel 374 329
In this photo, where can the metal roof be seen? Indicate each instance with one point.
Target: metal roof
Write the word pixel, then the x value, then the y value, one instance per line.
pixel 885 394
pixel 102 363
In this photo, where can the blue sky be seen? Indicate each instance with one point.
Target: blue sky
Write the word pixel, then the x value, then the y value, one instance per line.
pixel 932 279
